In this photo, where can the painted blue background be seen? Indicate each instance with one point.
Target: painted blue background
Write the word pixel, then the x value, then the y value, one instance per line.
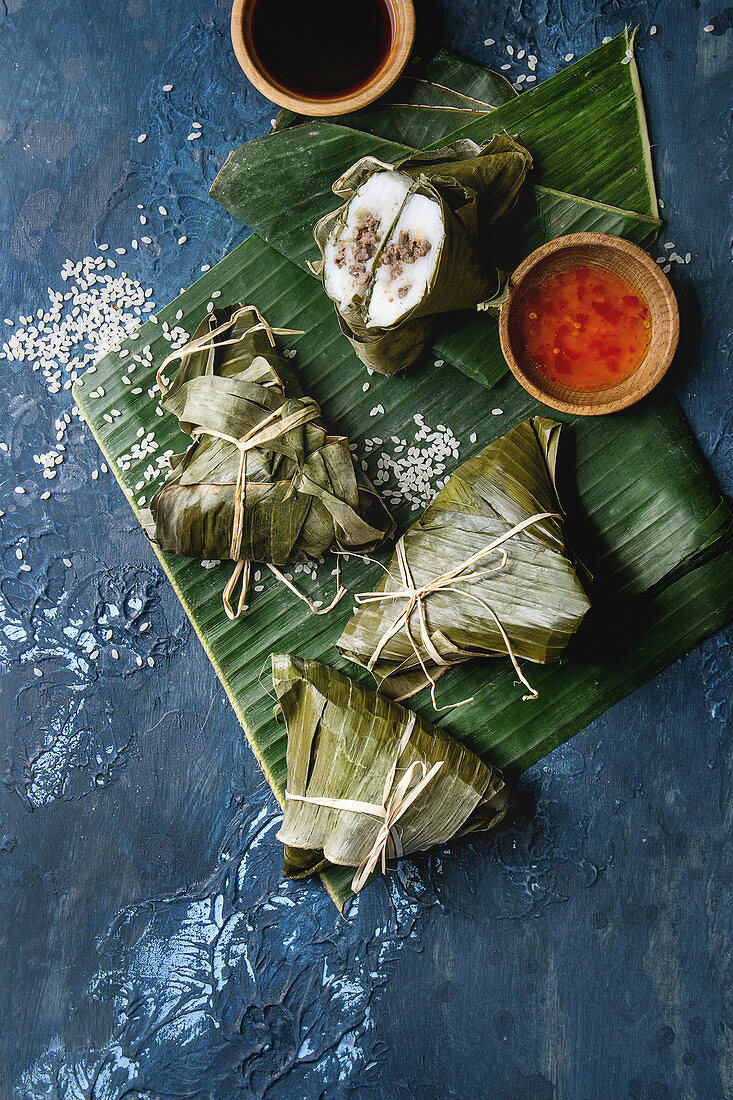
pixel 149 946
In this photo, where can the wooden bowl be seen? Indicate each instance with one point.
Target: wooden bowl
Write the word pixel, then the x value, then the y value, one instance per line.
pixel 403 26
pixel 627 260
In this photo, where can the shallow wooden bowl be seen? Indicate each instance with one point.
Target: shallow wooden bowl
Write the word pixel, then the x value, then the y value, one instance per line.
pixel 625 259
pixel 403 37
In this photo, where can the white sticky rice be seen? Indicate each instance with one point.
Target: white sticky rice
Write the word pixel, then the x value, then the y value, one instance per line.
pixel 422 220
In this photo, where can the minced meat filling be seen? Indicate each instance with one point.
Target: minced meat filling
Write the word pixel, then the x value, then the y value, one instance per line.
pixel 405 251
pixel 365 244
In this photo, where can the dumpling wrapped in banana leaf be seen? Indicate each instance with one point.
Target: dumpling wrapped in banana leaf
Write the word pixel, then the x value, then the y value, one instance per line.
pixel 485 571
pixel 263 480
pixel 368 780
pixel 410 243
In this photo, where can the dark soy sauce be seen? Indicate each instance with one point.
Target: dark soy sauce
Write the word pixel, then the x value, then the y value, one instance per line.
pixel 321 48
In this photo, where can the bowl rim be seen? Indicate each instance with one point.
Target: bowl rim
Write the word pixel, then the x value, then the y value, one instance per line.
pixel 391 69
pixel 647 376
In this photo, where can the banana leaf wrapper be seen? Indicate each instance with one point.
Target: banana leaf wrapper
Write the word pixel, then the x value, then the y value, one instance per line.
pixel 473 185
pixel 302 493
pixel 390 352
pixel 537 599
pixel 343 739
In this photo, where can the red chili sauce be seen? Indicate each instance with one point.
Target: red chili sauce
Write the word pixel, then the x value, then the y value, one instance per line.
pixel 586 328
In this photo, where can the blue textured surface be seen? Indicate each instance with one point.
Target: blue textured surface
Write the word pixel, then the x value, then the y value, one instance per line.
pixel 149 946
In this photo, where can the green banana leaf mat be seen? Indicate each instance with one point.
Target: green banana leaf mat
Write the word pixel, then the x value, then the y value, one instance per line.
pixel 644 512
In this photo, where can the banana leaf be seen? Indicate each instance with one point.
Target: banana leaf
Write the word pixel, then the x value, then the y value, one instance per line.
pixel 348 744
pixel 603 91
pixel 301 163
pixel 472 186
pixel 299 491
pixel 652 525
pixel 530 607
pixel 599 93
pixel 430 100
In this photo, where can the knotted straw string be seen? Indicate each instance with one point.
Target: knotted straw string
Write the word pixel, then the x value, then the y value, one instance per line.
pixel 387 842
pixel 414 598
pixel 340 590
pixel 265 431
pixel 271 427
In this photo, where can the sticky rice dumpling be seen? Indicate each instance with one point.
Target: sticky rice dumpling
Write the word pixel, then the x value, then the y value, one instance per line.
pixel 393 272
pixel 410 243
pixel 485 571
pixel 263 479
pixel 350 252
pixel 368 780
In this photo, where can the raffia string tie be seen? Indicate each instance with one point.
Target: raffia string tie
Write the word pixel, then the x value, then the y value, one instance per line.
pixel 266 430
pixel 460 575
pixel 271 427
pixel 395 803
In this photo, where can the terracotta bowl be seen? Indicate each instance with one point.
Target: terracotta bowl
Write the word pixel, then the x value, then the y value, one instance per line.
pixel 403 23
pixel 627 260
